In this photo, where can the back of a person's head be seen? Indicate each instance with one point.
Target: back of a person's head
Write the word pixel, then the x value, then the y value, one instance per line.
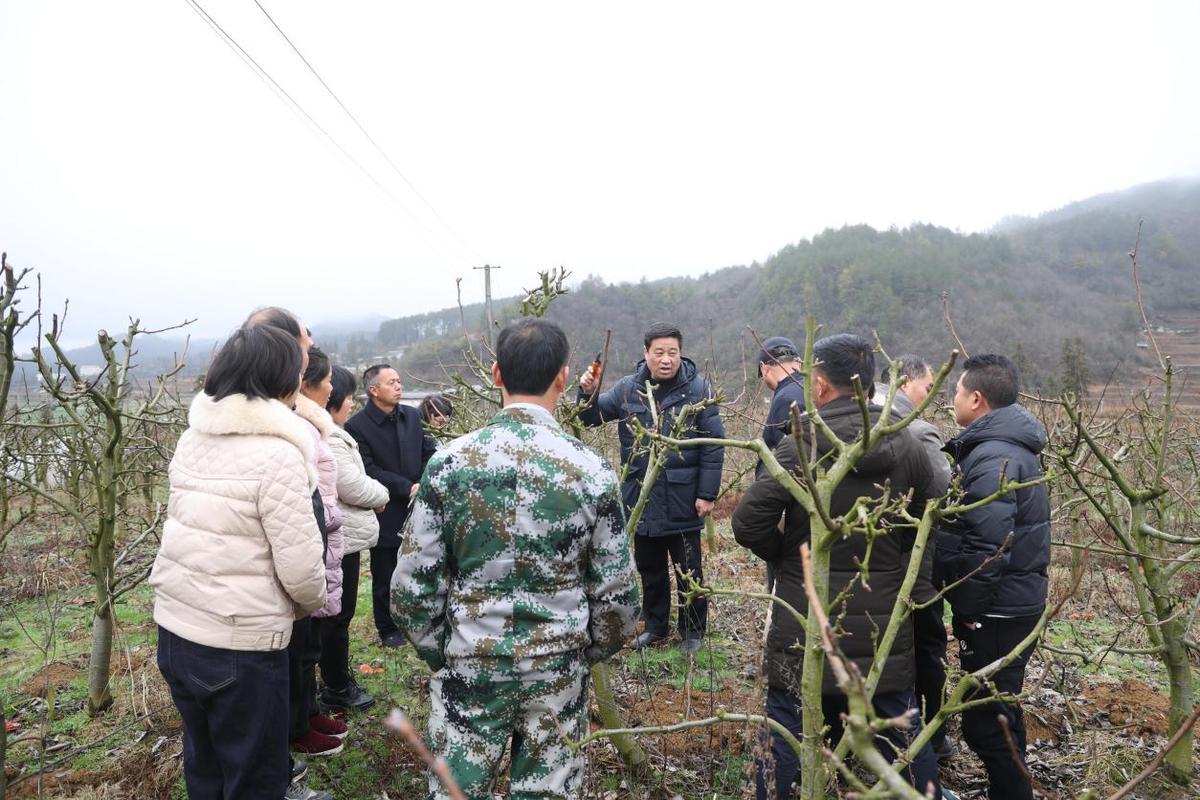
pixel 436 405
pixel 841 357
pixel 909 366
pixel 343 383
pixel 994 376
pixel 530 354
pixel 274 317
pixel 258 362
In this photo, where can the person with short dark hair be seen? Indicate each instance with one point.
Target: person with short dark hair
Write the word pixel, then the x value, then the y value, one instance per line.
pixel 686 487
pixel 286 321
pixel 240 556
pixel 779 367
pixel 359 496
pixel 895 462
pixel 513 579
pixel 916 382
pixel 436 410
pixel 998 555
pixel 304 647
pixel 394 450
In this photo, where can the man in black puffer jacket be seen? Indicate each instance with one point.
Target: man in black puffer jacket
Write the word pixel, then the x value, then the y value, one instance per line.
pixel 898 461
pixel 686 488
pixel 1003 585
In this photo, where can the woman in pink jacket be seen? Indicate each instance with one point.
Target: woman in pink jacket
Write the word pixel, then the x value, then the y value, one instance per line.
pixel 325 734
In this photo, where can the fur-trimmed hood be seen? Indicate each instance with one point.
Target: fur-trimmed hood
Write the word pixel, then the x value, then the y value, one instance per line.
pixel 317 417
pixel 240 415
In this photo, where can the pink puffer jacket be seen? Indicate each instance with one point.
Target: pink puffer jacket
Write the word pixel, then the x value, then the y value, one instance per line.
pixel 322 425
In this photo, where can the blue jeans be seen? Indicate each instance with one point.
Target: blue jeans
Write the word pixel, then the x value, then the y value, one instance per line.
pixel 234 706
pixel 784 708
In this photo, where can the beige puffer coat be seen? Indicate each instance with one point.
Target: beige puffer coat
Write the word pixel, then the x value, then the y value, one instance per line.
pixel 358 494
pixel 240 558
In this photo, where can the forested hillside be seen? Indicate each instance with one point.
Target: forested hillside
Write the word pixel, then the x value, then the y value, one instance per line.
pixel 1039 288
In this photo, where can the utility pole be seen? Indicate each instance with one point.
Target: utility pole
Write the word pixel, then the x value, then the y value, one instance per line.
pixel 487 294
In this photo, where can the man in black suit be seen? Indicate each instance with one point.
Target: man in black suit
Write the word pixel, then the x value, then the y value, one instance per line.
pixel 394 450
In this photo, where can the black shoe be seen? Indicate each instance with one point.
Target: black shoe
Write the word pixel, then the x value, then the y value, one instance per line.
pixel 691 644
pixel 299 770
pixel 351 698
pixel 944 750
pixel 394 639
pixel 648 638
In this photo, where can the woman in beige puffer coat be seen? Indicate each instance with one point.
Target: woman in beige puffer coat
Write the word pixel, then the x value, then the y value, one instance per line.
pixel 358 496
pixel 240 559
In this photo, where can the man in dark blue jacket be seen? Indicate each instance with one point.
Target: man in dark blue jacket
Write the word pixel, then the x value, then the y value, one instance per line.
pixel 688 484
pixel 394 450
pixel 779 368
pixel 998 554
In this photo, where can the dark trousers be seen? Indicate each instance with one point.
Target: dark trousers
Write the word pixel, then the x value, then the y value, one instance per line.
pixel 929 629
pixel 334 632
pixel 981 728
pixel 233 706
pixel 784 708
pixel 301 679
pixel 650 554
pixel 383 564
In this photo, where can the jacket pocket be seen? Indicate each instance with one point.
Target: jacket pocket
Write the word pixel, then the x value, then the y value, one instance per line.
pixel 681 493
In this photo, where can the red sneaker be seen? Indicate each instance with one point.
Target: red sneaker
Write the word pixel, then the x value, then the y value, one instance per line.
pixel 328 726
pixel 317 744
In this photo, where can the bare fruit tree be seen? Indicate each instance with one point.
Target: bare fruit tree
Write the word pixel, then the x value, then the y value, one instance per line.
pixel 97 440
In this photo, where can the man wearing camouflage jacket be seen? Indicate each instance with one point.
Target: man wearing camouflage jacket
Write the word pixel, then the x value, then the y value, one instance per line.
pixel 515 576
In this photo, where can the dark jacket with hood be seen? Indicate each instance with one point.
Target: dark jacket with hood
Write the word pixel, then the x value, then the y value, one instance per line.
pixel 898 461
pixel 1012 583
pixel 691 473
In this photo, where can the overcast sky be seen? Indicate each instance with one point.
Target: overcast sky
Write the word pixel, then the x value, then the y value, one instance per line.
pixel 145 169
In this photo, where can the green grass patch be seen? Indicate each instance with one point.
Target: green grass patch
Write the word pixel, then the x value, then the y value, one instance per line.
pixel 1089 635
pixel 657 665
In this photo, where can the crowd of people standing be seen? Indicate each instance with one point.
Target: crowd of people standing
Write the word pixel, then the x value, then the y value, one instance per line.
pixel 502 556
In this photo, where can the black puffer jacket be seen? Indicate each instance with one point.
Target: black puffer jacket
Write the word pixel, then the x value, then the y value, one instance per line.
pixel 897 460
pixel 690 473
pixel 1012 583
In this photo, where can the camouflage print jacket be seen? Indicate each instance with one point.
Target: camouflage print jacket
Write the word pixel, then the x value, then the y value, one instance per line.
pixel 515 548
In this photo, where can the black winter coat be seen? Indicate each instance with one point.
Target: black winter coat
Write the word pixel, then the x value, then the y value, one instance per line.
pixel 1013 583
pixel 897 460
pixel 394 452
pixel 779 418
pixel 690 474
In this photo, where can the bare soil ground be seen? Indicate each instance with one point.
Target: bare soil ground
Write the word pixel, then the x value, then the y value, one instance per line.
pixel 1091 728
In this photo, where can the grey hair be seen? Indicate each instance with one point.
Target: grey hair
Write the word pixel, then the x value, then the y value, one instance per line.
pixel 910 366
pixel 371 375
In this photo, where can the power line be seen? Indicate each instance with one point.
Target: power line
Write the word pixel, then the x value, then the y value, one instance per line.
pixel 264 75
pixel 363 130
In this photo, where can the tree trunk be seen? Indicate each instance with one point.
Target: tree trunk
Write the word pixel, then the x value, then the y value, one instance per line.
pixel 99 667
pixel 610 717
pixel 813 774
pixel 1179 676
pixel 99 695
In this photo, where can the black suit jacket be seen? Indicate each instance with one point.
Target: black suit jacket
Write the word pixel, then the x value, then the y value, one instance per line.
pixel 395 452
